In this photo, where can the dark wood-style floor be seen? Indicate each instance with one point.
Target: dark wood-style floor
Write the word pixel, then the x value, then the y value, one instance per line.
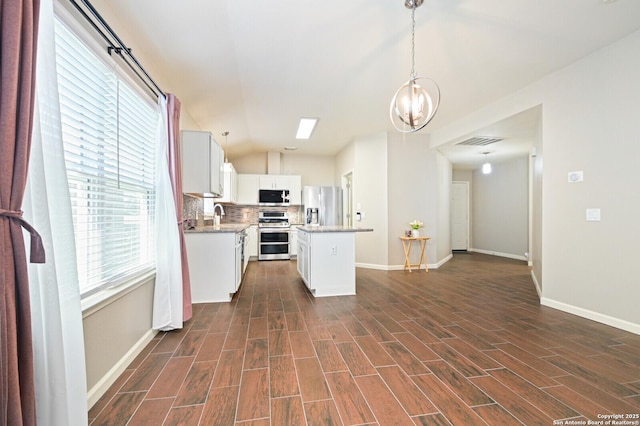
pixel 465 344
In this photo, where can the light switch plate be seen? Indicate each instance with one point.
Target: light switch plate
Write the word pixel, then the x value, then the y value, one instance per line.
pixel 593 215
pixel 577 176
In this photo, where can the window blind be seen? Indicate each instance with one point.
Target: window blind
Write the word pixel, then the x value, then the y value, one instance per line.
pixel 109 134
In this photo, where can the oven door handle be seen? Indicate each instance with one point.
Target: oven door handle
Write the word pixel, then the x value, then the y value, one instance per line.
pixel 272 230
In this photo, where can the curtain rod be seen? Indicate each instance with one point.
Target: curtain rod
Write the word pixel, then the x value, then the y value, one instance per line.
pixel 118 48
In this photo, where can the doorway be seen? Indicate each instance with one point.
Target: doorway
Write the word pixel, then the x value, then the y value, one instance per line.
pixel 347 202
pixel 460 215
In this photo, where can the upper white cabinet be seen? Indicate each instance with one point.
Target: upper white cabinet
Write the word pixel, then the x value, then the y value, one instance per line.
pixel 274 182
pixel 230 185
pixel 295 190
pixel 249 185
pixel 202 164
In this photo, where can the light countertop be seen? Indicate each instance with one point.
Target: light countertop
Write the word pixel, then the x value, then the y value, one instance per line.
pixel 227 227
pixel 340 228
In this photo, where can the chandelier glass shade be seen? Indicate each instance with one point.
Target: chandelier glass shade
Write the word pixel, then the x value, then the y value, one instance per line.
pixel 486 167
pixel 416 102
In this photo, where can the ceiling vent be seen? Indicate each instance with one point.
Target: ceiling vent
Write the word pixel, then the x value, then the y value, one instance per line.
pixel 479 141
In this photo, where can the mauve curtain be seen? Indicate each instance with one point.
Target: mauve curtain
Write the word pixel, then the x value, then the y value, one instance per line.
pixel 18 35
pixel 175 172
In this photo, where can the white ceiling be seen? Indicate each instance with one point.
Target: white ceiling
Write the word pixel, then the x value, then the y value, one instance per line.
pixel 254 68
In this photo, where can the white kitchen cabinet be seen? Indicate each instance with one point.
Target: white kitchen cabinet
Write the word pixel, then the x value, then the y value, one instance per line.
pixel 215 265
pixel 237 262
pixel 248 186
pixel 291 182
pixel 252 236
pixel 295 190
pixel 246 252
pixel 202 163
pixel 230 185
pixel 293 241
pixel 303 257
pixel 326 261
pixel 274 182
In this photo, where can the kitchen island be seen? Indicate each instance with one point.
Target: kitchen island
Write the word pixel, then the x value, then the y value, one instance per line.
pixel 217 260
pixel 327 259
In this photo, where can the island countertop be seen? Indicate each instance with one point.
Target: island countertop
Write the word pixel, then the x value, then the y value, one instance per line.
pixel 339 228
pixel 227 227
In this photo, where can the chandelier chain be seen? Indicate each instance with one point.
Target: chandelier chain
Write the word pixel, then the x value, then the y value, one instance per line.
pixel 413 42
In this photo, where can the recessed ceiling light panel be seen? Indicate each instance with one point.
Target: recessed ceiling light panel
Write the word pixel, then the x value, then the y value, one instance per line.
pixel 306 126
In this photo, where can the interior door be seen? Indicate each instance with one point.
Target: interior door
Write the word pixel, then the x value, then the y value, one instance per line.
pixel 347 193
pixel 460 216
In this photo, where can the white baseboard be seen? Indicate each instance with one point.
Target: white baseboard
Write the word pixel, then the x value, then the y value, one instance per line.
pixel 100 388
pixel 401 267
pixel 443 261
pixel 595 316
pixel 537 284
pixel 413 268
pixel 495 253
pixel 372 266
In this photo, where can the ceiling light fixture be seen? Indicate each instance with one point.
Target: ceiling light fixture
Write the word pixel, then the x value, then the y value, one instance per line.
pixel 225 134
pixel 486 167
pixel 413 106
pixel 306 126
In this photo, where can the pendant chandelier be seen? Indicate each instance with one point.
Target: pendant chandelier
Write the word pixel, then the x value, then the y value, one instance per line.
pixel 415 103
pixel 225 134
pixel 486 167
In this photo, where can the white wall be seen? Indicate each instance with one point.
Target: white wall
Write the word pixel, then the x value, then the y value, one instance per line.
pixel 370 192
pixel 443 208
pixel 114 333
pixel 590 123
pixel 413 188
pixel 315 170
pixel 500 209
pixel 255 163
pixel 345 161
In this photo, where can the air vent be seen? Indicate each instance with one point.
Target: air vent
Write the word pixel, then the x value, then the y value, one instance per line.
pixel 479 141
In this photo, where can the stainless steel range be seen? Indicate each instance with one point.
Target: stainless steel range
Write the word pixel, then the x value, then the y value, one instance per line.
pixel 273 236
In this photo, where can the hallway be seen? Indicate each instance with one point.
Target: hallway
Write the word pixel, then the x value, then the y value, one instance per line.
pixel 464 344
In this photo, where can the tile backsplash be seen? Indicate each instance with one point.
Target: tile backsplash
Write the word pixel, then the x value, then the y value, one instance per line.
pixel 193 211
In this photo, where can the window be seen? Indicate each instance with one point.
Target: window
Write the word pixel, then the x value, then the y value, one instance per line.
pixel 109 136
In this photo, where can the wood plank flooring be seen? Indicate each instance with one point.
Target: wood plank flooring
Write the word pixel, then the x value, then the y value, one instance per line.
pixel 465 344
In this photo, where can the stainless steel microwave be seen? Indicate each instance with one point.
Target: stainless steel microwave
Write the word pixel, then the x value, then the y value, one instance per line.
pixel 273 197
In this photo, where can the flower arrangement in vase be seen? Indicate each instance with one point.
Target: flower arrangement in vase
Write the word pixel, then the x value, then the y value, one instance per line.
pixel 415 226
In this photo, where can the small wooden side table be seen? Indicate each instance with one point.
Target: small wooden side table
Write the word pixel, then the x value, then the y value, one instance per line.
pixel 406 244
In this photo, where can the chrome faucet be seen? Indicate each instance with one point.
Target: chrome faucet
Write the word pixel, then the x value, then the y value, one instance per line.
pixel 221 209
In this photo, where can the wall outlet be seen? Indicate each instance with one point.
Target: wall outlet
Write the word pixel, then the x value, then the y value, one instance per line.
pixel 593 215
pixel 334 250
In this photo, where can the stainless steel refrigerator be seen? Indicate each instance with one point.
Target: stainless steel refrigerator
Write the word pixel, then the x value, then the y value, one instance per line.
pixel 328 202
